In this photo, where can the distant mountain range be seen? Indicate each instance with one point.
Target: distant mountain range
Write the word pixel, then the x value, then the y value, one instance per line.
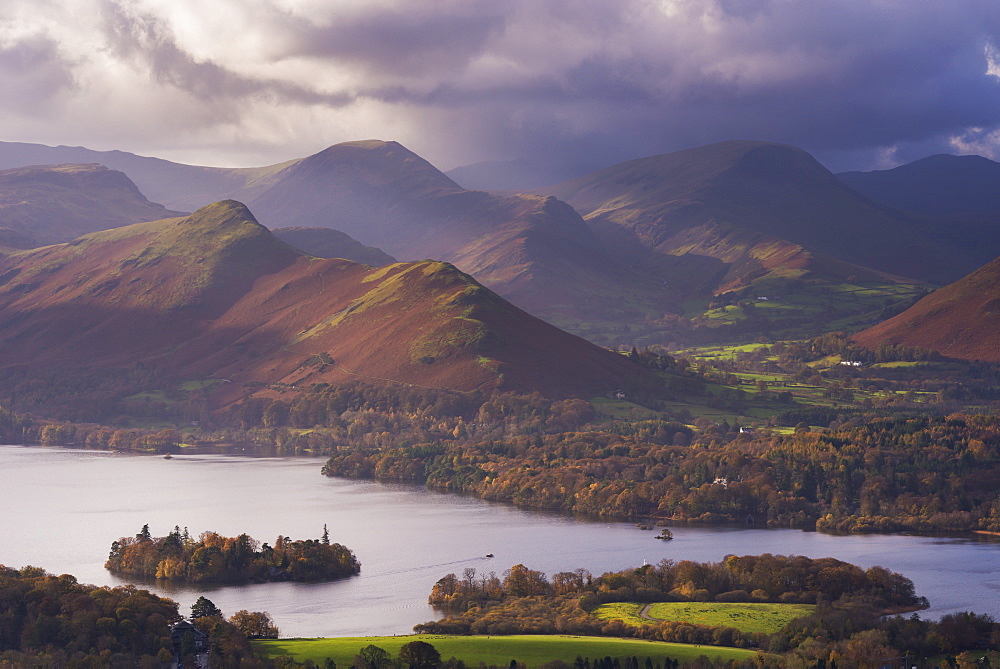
pixel 330 243
pixel 939 185
pixel 215 295
pixel 752 235
pixel 49 204
pixel 743 203
pixel 535 251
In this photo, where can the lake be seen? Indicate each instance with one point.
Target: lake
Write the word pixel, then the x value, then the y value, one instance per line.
pixel 62 508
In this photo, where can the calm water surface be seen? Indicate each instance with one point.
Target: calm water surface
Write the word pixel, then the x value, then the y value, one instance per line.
pixel 61 509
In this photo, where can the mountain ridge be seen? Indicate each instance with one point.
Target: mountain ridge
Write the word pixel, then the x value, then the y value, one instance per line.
pixel 56 203
pixel 217 295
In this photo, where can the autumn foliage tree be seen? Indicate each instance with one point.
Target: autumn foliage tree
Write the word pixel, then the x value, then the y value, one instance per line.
pixel 215 558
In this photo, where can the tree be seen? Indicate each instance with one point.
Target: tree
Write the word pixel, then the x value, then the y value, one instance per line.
pixel 205 608
pixel 144 533
pixel 326 536
pixel 255 624
pixel 419 655
pixel 374 657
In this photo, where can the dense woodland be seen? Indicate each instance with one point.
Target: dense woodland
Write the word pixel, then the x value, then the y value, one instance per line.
pixel 215 558
pixel 865 473
pixel 867 470
pixel 845 629
pixel 48 620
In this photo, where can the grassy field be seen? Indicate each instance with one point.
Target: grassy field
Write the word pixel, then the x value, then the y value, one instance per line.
pixel 627 612
pixel 499 650
pixel 746 617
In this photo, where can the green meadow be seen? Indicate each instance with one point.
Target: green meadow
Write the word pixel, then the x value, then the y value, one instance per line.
pixel 498 650
pixel 751 617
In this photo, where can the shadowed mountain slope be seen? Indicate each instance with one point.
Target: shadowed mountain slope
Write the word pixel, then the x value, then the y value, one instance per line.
pixel 217 295
pixel 938 185
pixel 764 195
pixel 177 186
pixel 961 320
pixel 330 243
pixel 57 203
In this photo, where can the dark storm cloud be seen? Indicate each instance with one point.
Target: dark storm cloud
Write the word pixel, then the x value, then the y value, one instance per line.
pixel 588 82
pixel 625 79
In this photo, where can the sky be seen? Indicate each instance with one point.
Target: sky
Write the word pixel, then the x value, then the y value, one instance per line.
pixel 572 84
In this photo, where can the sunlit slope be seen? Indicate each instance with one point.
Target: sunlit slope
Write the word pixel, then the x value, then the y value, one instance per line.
pixel 217 295
pixel 961 320
pixel 57 203
pixel 533 250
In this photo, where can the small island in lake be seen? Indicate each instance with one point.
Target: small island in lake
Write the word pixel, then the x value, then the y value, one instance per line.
pixel 215 558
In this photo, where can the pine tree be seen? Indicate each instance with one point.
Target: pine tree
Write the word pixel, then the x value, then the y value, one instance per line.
pixel 205 607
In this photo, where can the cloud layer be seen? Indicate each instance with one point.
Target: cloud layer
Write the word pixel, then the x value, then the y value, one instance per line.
pixel 589 82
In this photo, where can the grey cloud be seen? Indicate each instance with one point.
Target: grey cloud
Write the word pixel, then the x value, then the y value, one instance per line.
pixel 826 75
pixel 145 39
pixel 409 39
pixel 33 73
pixel 585 83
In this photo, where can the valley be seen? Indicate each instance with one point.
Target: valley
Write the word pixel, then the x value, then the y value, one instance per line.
pixel 687 340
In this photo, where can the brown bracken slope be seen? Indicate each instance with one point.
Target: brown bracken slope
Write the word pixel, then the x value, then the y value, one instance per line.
pixel 56 203
pixel 961 320
pixel 217 295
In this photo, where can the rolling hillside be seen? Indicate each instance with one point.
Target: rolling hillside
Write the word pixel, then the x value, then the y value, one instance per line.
pixel 57 203
pixel 330 243
pixel 961 320
pixel 532 250
pixel 216 295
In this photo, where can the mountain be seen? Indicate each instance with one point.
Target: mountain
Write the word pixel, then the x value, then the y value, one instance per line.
pixel 57 203
pixel 770 240
pixel 960 320
pixel 533 250
pixel 938 185
pixel 330 243
pixel 215 295
pixel 764 190
pixel 181 187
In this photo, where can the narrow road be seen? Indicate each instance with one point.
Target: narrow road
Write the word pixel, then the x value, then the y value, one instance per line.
pixel 645 613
